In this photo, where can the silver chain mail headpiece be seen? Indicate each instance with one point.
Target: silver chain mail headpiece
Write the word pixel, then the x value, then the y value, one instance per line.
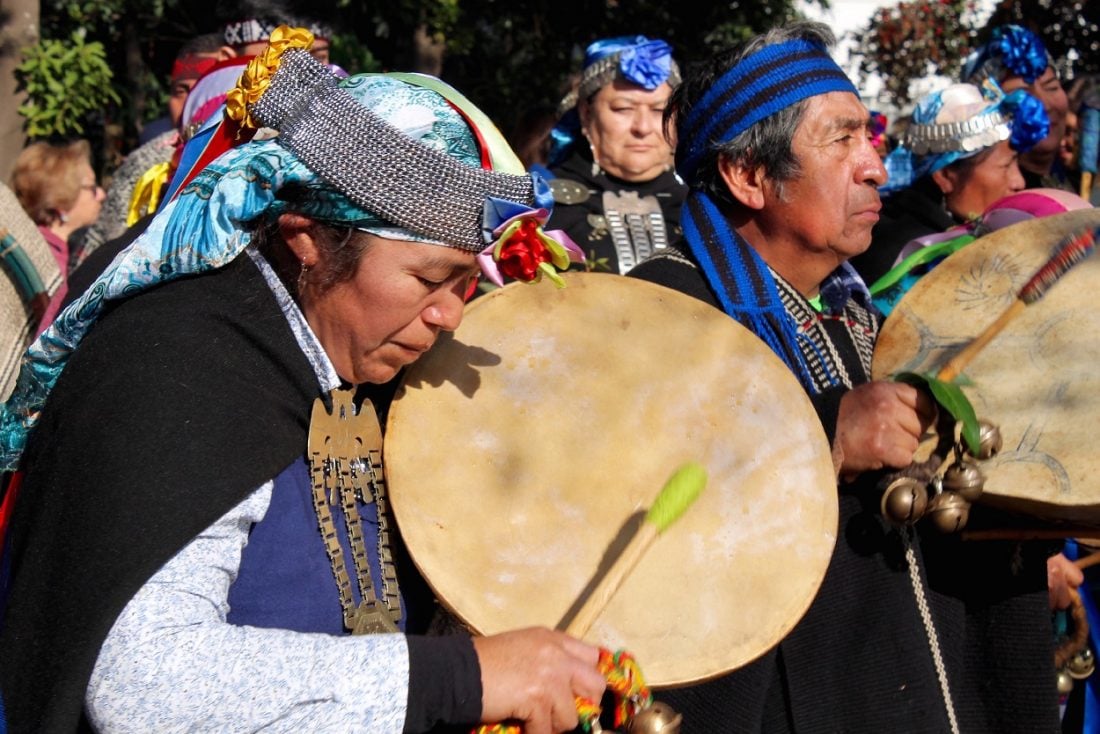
pixel 374 164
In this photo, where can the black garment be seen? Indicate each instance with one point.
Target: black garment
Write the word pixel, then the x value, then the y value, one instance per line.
pixel 584 221
pixel 910 213
pixel 859 660
pixel 177 405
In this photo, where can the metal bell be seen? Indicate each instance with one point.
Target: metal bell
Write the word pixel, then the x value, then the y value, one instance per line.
pixel 990 441
pixel 965 478
pixel 948 512
pixel 656 718
pixel 904 500
pixel 1065 683
pixel 1081 665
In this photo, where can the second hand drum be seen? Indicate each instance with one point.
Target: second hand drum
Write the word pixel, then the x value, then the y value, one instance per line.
pixel 1037 380
pixel 566 410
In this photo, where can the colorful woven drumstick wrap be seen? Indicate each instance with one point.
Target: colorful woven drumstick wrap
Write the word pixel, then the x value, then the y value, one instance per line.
pixel 624 679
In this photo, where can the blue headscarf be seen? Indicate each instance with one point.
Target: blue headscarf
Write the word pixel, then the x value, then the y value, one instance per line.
pixel 636 59
pixel 953 123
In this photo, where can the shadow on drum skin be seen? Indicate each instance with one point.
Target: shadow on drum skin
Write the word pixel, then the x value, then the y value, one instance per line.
pixel 614 549
pixel 456 363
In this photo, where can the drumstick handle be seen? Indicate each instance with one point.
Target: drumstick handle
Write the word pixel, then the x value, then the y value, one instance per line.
pixel 596 602
pixel 679 492
pixel 958 363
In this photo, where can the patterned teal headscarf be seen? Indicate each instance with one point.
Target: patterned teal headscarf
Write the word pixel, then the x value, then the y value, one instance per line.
pixel 206 227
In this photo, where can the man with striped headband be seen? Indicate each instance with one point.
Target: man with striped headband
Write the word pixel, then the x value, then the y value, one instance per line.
pixel 190 549
pixel 776 148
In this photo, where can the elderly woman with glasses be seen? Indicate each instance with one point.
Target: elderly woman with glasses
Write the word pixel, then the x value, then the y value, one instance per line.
pixel 57 187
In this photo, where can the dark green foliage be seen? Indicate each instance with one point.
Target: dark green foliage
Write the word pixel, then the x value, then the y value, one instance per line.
pixel 66 82
pixel 507 57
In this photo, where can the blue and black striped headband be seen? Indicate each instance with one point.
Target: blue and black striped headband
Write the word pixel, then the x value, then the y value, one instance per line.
pixel 762 84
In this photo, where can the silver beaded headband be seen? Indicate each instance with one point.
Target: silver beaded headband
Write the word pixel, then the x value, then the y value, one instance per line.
pixel 600 74
pixel 966 136
pixel 374 164
pixel 604 71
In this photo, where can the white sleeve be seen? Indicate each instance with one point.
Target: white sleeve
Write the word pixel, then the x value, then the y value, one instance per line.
pixel 172 663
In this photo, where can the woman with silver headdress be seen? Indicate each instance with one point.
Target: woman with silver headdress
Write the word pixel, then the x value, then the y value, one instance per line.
pixel 166 569
pixel 619 199
pixel 959 155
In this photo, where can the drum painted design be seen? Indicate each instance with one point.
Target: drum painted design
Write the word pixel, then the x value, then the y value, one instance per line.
pixel 525 447
pixel 1039 380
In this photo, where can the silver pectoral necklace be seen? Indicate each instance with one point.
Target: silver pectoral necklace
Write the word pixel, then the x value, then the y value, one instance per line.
pixel 345 462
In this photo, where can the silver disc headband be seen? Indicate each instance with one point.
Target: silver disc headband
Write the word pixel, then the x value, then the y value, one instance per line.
pixel 373 163
pixel 966 136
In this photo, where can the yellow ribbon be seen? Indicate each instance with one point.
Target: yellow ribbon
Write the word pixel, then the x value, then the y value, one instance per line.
pixel 257 75
pixel 147 193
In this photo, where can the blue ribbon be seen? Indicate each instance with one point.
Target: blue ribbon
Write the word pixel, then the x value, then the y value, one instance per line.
pixel 642 61
pixel 1015 50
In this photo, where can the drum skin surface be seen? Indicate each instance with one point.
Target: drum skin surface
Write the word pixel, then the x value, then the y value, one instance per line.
pixel 1039 379
pixel 522 451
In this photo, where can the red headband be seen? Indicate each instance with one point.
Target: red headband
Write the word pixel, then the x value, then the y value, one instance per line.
pixel 191 67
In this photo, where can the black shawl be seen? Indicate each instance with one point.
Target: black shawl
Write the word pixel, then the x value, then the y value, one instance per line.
pixel 178 404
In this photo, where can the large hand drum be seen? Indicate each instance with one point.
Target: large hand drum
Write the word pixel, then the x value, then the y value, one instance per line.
pixel 521 451
pixel 1039 379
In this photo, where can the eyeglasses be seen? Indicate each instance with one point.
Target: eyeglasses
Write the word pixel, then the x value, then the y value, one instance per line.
pixel 93 187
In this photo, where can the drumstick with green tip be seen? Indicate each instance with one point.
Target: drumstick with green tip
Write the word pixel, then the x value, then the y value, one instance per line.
pixel 679 492
pixel 1071 251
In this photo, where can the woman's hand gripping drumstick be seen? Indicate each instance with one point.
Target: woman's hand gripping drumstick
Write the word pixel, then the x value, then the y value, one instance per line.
pixel 1071 251
pixel 679 492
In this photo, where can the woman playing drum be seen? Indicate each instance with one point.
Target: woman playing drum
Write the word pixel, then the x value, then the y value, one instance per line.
pixel 166 569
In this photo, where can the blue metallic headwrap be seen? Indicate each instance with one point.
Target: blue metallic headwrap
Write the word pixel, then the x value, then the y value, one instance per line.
pixel 960 122
pixel 636 59
pixel 1011 51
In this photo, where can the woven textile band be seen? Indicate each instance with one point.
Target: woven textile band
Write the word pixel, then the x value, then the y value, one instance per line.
pixel 257 30
pixel 770 80
pixel 376 166
pixel 742 282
